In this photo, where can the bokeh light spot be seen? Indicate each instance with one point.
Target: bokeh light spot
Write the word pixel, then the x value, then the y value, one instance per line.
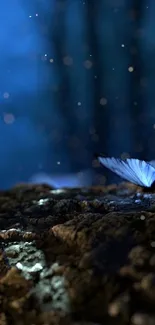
pixel 88 64
pixel 67 60
pixel 130 69
pixel 6 95
pixel 9 118
pixel 103 101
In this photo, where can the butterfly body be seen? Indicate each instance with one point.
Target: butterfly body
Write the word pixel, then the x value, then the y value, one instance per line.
pixel 136 171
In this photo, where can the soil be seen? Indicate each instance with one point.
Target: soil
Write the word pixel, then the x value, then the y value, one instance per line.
pixel 77 257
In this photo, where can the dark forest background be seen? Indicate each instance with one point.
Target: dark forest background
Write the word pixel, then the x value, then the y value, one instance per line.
pixel 77 78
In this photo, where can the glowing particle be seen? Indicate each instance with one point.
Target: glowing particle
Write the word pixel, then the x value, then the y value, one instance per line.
pixel 51 60
pixel 122 45
pixel 67 60
pixel 36 15
pixel 30 16
pixel 9 118
pixel 58 162
pixel 154 126
pixel 6 95
pixel 142 217
pixel 113 69
pixel 103 101
pixel 79 103
pixel 130 69
pixel 44 57
pixel 88 64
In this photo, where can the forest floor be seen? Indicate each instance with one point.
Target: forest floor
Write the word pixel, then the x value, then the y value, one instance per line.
pixel 77 257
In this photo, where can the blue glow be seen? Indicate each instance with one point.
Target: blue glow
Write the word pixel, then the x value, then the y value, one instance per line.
pixel 77 77
pixel 61 181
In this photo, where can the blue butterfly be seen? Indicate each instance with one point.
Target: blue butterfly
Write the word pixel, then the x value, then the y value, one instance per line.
pixel 136 171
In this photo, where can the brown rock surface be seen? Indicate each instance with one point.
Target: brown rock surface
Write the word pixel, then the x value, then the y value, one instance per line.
pixel 77 257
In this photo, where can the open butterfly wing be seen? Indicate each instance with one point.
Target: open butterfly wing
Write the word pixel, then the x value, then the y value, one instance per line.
pixel 135 171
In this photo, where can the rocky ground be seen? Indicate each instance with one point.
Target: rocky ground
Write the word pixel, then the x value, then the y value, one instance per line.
pixel 77 257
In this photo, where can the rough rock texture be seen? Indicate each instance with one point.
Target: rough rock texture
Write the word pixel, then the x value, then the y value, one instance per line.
pixel 77 257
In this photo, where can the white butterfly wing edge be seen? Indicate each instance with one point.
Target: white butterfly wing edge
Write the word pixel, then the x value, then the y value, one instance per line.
pixel 133 170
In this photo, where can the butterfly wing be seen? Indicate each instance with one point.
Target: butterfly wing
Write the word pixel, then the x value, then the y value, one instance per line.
pixel 152 163
pixel 135 171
